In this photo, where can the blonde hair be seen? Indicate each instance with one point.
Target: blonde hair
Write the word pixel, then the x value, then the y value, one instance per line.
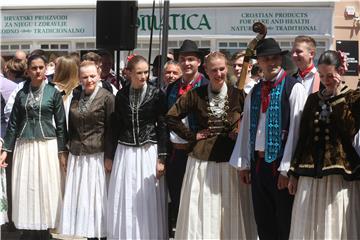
pixel 91 56
pixel 87 63
pixel 66 74
pixel 17 67
pixel 214 55
pixel 219 55
pixel 308 40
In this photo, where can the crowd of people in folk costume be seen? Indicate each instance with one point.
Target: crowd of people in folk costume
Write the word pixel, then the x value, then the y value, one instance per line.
pixel 90 155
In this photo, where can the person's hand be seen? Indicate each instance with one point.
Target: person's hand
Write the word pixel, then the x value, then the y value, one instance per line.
pixel 160 169
pixel 108 165
pixel 3 157
pixel 337 78
pixel 245 176
pixel 339 81
pixel 282 182
pixel 292 186
pixel 202 134
pixel 335 89
pixel 63 157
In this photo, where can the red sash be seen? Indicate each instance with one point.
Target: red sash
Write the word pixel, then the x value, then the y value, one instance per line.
pixel 184 88
pixel 266 87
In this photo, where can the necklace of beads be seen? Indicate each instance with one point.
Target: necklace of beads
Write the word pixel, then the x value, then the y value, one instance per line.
pixel 85 101
pixel 35 95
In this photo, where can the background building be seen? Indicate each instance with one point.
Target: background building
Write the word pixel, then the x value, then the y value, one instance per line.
pixel 70 25
pixel 347 36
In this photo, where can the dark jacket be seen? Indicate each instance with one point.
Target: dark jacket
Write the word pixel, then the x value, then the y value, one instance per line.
pixel 147 125
pixel 27 123
pixel 218 147
pixel 3 120
pixel 172 96
pixel 325 147
pixel 90 132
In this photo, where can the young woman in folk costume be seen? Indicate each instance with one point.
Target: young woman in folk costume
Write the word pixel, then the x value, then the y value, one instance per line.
pixel 136 199
pixel 325 170
pixel 214 204
pixel 85 198
pixel 39 148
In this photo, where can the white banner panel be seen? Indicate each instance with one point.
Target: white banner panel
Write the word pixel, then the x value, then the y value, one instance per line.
pixel 27 24
pixel 47 24
pixel 238 21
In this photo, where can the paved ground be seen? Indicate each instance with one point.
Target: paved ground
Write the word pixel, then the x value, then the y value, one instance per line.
pixel 16 235
pixel 58 236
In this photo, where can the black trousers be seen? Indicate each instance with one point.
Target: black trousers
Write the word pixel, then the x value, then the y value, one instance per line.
pixel 272 207
pixel 175 171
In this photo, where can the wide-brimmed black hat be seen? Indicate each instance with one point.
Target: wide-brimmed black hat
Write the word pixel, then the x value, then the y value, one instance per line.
pixel 268 46
pixel 189 46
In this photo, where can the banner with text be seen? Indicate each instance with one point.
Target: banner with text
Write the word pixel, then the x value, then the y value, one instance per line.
pixel 20 24
pixel 47 24
pixel 239 21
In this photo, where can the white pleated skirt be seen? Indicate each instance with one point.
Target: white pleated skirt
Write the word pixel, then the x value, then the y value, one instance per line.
pixel 136 199
pixel 326 208
pixel 85 198
pixel 36 188
pixel 214 204
pixel 3 197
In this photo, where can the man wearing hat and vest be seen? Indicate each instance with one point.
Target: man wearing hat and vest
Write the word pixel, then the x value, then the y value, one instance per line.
pixel 189 59
pixel 267 140
pixel 303 54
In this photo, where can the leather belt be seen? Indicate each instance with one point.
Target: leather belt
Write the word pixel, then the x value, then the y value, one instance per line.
pixel 180 146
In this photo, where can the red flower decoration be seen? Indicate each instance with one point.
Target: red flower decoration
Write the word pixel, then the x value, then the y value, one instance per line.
pixel 130 57
pixel 343 63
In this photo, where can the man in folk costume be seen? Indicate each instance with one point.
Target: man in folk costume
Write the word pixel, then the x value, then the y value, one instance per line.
pixel 189 60
pixel 267 140
pixel 303 54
